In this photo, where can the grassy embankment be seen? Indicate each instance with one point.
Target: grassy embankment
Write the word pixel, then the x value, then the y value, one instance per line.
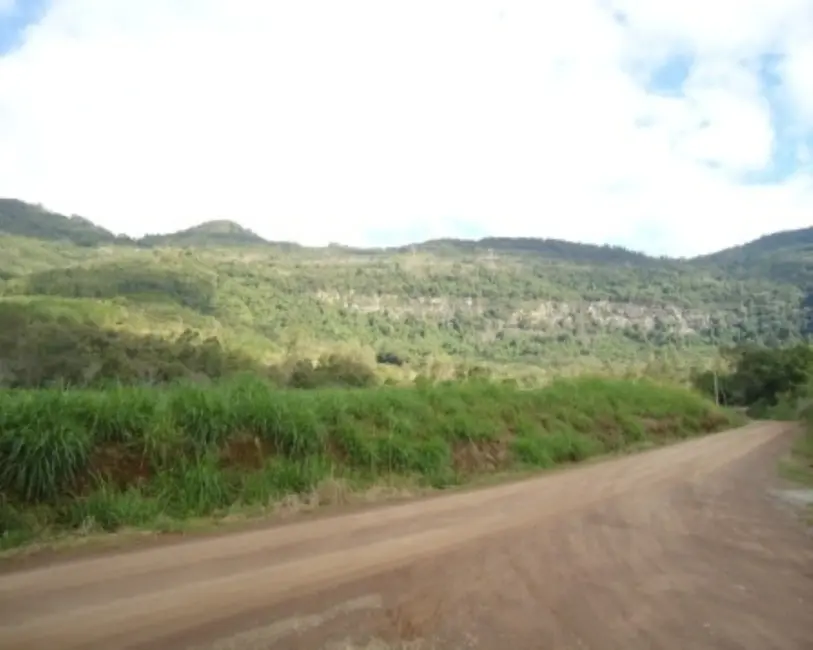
pixel 804 449
pixel 799 466
pixel 78 461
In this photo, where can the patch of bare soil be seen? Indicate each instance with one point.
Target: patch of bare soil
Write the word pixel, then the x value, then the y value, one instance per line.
pixel 676 548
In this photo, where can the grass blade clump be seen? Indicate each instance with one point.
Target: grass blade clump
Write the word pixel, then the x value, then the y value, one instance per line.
pixel 281 477
pixel 194 488
pixel 202 413
pixel 117 415
pixel 41 455
pixel 292 425
pixel 108 508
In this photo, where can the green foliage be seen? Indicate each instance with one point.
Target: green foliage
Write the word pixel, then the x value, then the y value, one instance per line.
pixel 783 256
pixel 45 343
pixel 798 467
pixel 211 233
pixel 24 219
pixel 146 381
pixel 137 279
pixel 127 456
pixel 551 249
pixel 331 370
pixel 544 304
pixel 19 218
pixel 762 378
pixel 41 345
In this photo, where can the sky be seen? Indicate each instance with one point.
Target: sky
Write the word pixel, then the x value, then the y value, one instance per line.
pixel 675 127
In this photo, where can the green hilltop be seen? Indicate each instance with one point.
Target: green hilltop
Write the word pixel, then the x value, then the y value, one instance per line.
pixel 210 233
pixel 82 305
pixel 27 220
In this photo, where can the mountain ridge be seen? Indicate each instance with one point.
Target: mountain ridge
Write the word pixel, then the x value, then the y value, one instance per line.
pixel 80 304
pixel 30 220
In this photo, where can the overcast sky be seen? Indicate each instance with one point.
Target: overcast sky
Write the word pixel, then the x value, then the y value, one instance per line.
pixel 670 126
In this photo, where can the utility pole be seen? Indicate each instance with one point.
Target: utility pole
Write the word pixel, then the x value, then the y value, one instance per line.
pixel 716 389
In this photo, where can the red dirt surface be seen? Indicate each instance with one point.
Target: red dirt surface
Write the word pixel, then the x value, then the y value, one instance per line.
pixel 678 548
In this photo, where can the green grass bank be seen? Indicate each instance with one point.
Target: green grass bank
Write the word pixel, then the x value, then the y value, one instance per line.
pixel 79 460
pixel 801 462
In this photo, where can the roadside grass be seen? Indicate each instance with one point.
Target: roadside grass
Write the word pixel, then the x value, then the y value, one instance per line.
pixel 75 462
pixel 798 467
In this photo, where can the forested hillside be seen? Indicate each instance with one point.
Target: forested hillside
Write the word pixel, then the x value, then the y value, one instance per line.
pixel 19 218
pixel 782 257
pixel 82 305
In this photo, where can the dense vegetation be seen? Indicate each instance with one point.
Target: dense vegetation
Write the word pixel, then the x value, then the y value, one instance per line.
pixel 82 306
pixel 144 382
pixel 783 257
pixel 762 379
pixel 141 456
pixel 774 384
pixel 211 233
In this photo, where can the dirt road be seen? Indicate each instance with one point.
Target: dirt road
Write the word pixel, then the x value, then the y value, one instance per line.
pixel 679 548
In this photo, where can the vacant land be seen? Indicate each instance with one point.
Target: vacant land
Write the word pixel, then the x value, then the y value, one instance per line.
pixel 675 548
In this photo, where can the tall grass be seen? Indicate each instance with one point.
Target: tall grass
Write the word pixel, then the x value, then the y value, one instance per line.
pixel 131 456
pixel 803 450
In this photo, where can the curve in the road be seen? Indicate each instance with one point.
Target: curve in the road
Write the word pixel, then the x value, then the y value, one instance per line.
pixel 583 556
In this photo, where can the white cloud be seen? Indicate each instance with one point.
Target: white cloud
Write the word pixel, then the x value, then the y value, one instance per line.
pixel 798 74
pixel 730 120
pixel 322 121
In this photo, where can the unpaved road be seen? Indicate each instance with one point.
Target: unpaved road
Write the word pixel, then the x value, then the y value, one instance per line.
pixel 679 548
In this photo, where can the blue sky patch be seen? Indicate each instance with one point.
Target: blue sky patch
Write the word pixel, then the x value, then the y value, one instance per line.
pixel 789 141
pixel 790 144
pixel 14 23
pixel 668 78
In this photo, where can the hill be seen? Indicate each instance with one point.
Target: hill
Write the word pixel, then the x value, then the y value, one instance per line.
pixel 217 298
pixel 27 220
pixel 784 257
pixel 800 240
pixel 550 249
pixel 210 233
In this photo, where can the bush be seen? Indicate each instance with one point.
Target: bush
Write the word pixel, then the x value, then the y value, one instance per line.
pixel 332 370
